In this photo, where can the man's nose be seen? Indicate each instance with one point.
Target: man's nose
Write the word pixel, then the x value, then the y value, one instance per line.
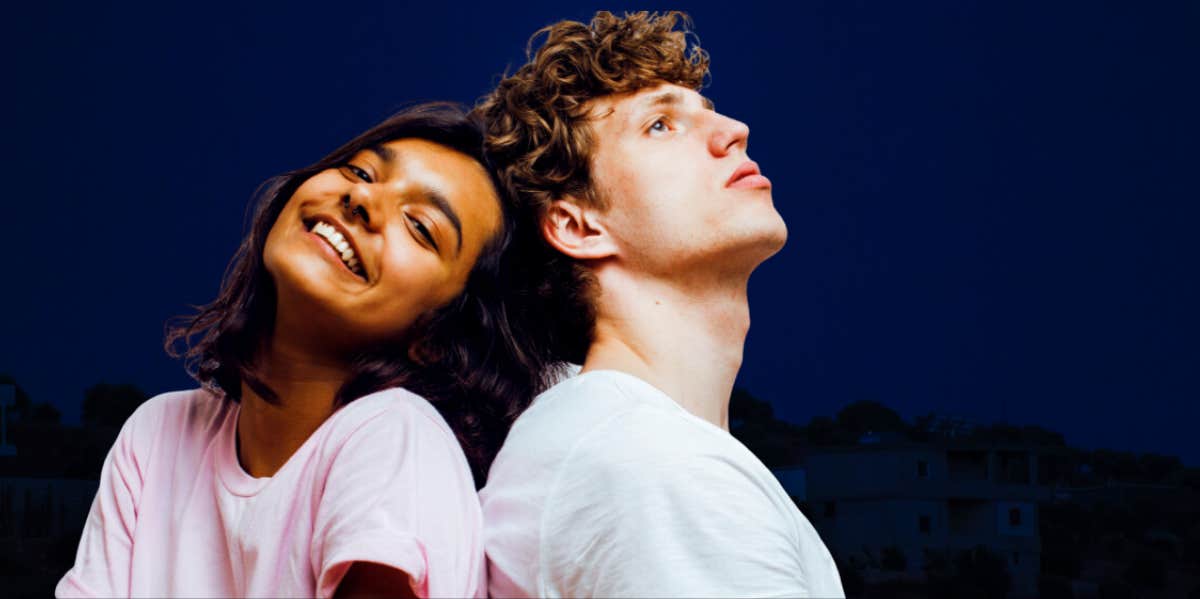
pixel 728 134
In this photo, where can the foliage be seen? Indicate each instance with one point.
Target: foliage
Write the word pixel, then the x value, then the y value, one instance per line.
pixel 44 412
pixel 744 407
pixel 1146 571
pixel 892 558
pixel 1055 587
pixel 110 405
pixel 23 404
pixel 24 410
pixel 868 416
pixel 752 421
pixel 977 572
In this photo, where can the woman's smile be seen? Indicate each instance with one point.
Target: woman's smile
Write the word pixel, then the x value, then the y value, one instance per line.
pixel 336 245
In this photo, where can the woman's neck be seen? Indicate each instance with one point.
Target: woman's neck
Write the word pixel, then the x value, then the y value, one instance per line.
pixel 305 386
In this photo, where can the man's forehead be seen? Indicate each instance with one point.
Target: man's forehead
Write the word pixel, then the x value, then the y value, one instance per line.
pixel 663 94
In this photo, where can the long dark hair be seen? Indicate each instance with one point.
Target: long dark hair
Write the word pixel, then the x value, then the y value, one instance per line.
pixel 473 358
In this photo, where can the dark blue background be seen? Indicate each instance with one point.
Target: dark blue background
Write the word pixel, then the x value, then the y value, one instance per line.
pixel 992 209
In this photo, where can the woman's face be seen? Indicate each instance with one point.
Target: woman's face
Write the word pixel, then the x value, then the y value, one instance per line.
pixel 360 252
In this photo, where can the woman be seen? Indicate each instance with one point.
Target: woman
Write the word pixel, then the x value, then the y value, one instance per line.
pixel 361 362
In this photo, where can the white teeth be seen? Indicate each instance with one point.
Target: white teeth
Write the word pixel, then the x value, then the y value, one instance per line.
pixel 339 244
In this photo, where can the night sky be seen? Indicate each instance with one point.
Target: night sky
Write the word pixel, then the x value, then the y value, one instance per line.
pixel 991 209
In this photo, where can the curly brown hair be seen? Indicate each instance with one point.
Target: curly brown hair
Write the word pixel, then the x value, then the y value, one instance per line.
pixel 539 133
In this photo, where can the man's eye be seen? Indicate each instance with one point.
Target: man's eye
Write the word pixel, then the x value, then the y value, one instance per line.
pixel 423 230
pixel 659 126
pixel 358 173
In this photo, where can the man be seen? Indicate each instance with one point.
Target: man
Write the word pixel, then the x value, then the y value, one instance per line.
pixel 624 480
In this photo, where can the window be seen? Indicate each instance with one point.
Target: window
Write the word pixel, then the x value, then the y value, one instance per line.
pixel 1014 516
pixel 924 524
pixel 830 509
pixel 922 469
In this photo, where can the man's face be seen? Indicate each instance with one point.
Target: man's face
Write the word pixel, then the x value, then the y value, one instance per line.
pixel 681 191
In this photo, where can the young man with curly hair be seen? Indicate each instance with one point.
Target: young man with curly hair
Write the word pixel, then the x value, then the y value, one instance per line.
pixel 624 480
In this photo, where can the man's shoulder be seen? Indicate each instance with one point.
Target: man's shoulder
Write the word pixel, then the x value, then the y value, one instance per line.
pixel 649 447
pixel 595 409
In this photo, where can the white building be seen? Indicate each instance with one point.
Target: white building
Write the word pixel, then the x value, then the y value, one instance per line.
pixel 918 497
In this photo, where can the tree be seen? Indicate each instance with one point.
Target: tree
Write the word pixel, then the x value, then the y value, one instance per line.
pixel 110 405
pixel 977 572
pixel 44 412
pixel 823 431
pixel 892 558
pixel 744 408
pixel 23 405
pixel 752 421
pixel 870 416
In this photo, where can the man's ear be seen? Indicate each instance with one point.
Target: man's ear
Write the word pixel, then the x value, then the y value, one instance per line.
pixel 576 231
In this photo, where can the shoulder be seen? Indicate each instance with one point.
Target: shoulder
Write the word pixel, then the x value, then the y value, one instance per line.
pixel 571 408
pixel 649 446
pixel 574 415
pixel 393 424
pixel 175 413
pixel 166 428
pixel 395 409
pixel 653 454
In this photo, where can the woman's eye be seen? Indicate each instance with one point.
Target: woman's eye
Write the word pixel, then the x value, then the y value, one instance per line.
pixel 359 173
pixel 659 126
pixel 423 230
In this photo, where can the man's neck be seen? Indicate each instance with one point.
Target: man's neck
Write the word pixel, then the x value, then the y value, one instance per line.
pixel 686 341
pixel 269 433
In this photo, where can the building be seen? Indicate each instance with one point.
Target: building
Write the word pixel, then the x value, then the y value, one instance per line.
pixel 890 505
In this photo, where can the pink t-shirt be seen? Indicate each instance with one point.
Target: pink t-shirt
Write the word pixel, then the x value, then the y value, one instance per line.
pixel 382 480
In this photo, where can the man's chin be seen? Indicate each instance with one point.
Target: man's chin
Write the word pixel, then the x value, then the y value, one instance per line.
pixel 770 238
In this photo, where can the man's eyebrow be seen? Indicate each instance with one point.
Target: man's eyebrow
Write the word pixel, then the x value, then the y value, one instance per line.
pixel 670 98
pixel 384 153
pixel 435 197
pixel 667 98
pixel 664 98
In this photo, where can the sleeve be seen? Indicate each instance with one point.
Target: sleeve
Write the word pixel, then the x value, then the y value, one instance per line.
pixel 398 493
pixel 104 559
pixel 646 510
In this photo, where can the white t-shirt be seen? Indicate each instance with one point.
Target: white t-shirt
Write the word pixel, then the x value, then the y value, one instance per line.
pixel 607 487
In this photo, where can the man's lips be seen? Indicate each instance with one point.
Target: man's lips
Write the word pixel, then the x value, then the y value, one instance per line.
pixel 747 176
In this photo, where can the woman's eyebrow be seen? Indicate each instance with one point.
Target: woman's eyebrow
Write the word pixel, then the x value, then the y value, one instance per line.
pixel 384 153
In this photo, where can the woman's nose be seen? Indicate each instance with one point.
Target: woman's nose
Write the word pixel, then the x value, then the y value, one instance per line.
pixel 360 203
pixel 353 210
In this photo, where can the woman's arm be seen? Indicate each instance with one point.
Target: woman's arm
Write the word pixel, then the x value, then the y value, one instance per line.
pixel 104 559
pixel 366 579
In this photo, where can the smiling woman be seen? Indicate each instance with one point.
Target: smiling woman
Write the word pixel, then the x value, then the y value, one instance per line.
pixel 359 370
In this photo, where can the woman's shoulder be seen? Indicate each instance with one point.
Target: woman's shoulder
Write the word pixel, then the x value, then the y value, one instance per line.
pixel 392 432
pixel 177 408
pixel 395 412
pixel 175 420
